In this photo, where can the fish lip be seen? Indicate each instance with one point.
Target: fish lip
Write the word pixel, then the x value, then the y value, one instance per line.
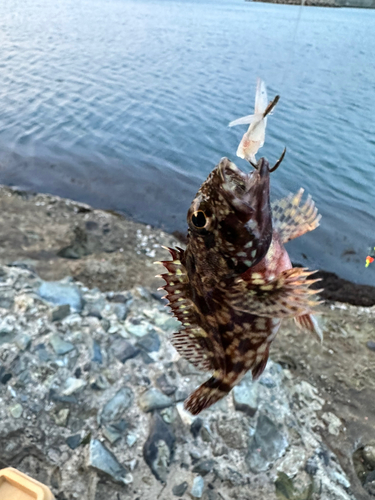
pixel 228 169
pixel 263 167
pixel 232 179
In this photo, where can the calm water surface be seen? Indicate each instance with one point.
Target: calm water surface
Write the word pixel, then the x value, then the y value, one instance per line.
pixel 125 104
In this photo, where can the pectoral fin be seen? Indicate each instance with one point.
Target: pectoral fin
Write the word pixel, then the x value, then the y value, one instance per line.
pixel 292 220
pixel 286 296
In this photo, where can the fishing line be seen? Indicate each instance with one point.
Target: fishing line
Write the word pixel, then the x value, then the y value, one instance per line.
pixel 288 64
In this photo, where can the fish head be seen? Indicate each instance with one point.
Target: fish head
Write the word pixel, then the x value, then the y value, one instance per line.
pixel 230 218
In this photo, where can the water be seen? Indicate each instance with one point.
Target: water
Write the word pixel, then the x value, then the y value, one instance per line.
pixel 125 104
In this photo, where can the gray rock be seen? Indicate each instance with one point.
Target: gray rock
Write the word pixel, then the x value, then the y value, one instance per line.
pixel 205 467
pixel 181 395
pixel 153 399
pixel 245 397
pixel 94 308
pixel 116 406
pixel 16 410
pixel 61 346
pixel 74 441
pixel 180 489
pixel 369 455
pixel 371 345
pixel 146 358
pixel 131 439
pixel 43 355
pixel 4 376
pixel 119 298
pixel 101 459
pixel 149 342
pixel 267 445
pixel 60 293
pixel 7 334
pixel 120 426
pixel 311 466
pixel 185 368
pixel 23 341
pixel 169 414
pixel 121 311
pixel 123 350
pixel 105 324
pixel 267 382
pixel 197 488
pixel 6 299
pixel 138 329
pixel 196 426
pixel 165 386
pixel 58 398
pixel 61 417
pixel 333 423
pixel 111 434
pixel 60 312
pixel 167 322
pixel 206 434
pixel 99 383
pixel 158 448
pixel 96 353
pixel 73 385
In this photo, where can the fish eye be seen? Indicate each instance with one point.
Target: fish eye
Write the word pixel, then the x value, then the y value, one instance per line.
pixel 199 219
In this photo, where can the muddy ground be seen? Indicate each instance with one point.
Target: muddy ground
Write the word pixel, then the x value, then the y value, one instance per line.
pixel 58 237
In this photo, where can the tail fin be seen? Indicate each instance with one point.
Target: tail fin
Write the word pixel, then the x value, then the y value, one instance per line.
pixel 206 395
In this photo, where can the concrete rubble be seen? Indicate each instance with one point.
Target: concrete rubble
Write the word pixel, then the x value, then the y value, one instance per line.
pixel 90 404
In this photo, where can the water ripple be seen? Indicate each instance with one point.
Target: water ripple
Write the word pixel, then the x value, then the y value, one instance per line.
pixel 125 105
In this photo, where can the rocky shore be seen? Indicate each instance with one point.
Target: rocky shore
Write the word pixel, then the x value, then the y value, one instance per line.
pixel 91 389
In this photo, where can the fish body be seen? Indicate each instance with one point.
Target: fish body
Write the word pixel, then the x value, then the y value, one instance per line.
pixel 234 283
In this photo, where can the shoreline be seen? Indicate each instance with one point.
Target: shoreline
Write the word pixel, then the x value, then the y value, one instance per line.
pixel 58 237
pixel 350 4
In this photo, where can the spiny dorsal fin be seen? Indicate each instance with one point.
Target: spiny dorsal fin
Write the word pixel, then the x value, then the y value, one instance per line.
pixel 286 296
pixel 291 220
pixel 191 341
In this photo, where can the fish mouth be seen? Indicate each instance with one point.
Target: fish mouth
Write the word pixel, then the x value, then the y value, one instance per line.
pixel 234 182
pixel 263 167
pixel 243 190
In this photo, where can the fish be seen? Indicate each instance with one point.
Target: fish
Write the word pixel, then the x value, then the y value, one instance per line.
pixel 234 283
pixel 254 138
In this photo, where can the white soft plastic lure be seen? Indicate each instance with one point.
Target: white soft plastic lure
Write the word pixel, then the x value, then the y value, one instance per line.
pixel 253 139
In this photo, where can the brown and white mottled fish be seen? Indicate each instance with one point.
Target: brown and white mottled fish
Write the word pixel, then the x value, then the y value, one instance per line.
pixel 234 283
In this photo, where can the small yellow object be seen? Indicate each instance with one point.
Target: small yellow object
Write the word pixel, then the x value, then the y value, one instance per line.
pixel 15 485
